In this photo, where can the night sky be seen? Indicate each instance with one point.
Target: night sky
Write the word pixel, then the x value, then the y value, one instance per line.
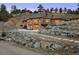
pixel 33 6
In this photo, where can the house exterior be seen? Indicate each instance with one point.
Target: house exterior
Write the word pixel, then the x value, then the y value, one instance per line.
pixel 58 19
pixel 40 20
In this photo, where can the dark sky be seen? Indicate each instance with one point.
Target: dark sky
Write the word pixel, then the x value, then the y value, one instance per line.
pixel 33 6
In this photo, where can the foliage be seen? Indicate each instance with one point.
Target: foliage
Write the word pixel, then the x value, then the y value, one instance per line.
pixel 60 10
pixel 74 11
pixel 51 9
pixel 4 14
pixel 24 10
pixel 40 6
pixel 14 10
pixel 56 9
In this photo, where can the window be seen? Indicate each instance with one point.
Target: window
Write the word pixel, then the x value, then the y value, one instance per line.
pixel 25 27
pixel 21 25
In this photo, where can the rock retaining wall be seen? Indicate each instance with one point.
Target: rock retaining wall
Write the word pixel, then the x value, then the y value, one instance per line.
pixel 30 41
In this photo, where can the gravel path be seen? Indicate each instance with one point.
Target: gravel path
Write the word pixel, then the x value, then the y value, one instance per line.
pixel 7 49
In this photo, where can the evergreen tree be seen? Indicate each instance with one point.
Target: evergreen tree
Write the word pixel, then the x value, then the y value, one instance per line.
pixel 4 14
pixel 40 7
pixel 3 8
pixel 78 7
pixel 69 11
pixel 65 9
pixel 24 10
pixel 52 9
pixel 35 11
pixel 14 10
pixel 47 10
pixel 56 10
pixel 77 11
pixel 60 10
pixel 78 4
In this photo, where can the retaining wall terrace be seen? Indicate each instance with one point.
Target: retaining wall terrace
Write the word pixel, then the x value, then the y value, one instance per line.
pixel 30 40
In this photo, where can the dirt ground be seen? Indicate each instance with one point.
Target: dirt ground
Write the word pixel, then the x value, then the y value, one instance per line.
pixel 7 48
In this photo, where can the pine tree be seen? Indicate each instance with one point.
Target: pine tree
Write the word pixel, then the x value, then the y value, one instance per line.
pixel 14 10
pixel 3 8
pixel 24 10
pixel 4 14
pixel 52 9
pixel 77 11
pixel 65 9
pixel 56 10
pixel 69 11
pixel 60 10
pixel 47 9
pixel 40 7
